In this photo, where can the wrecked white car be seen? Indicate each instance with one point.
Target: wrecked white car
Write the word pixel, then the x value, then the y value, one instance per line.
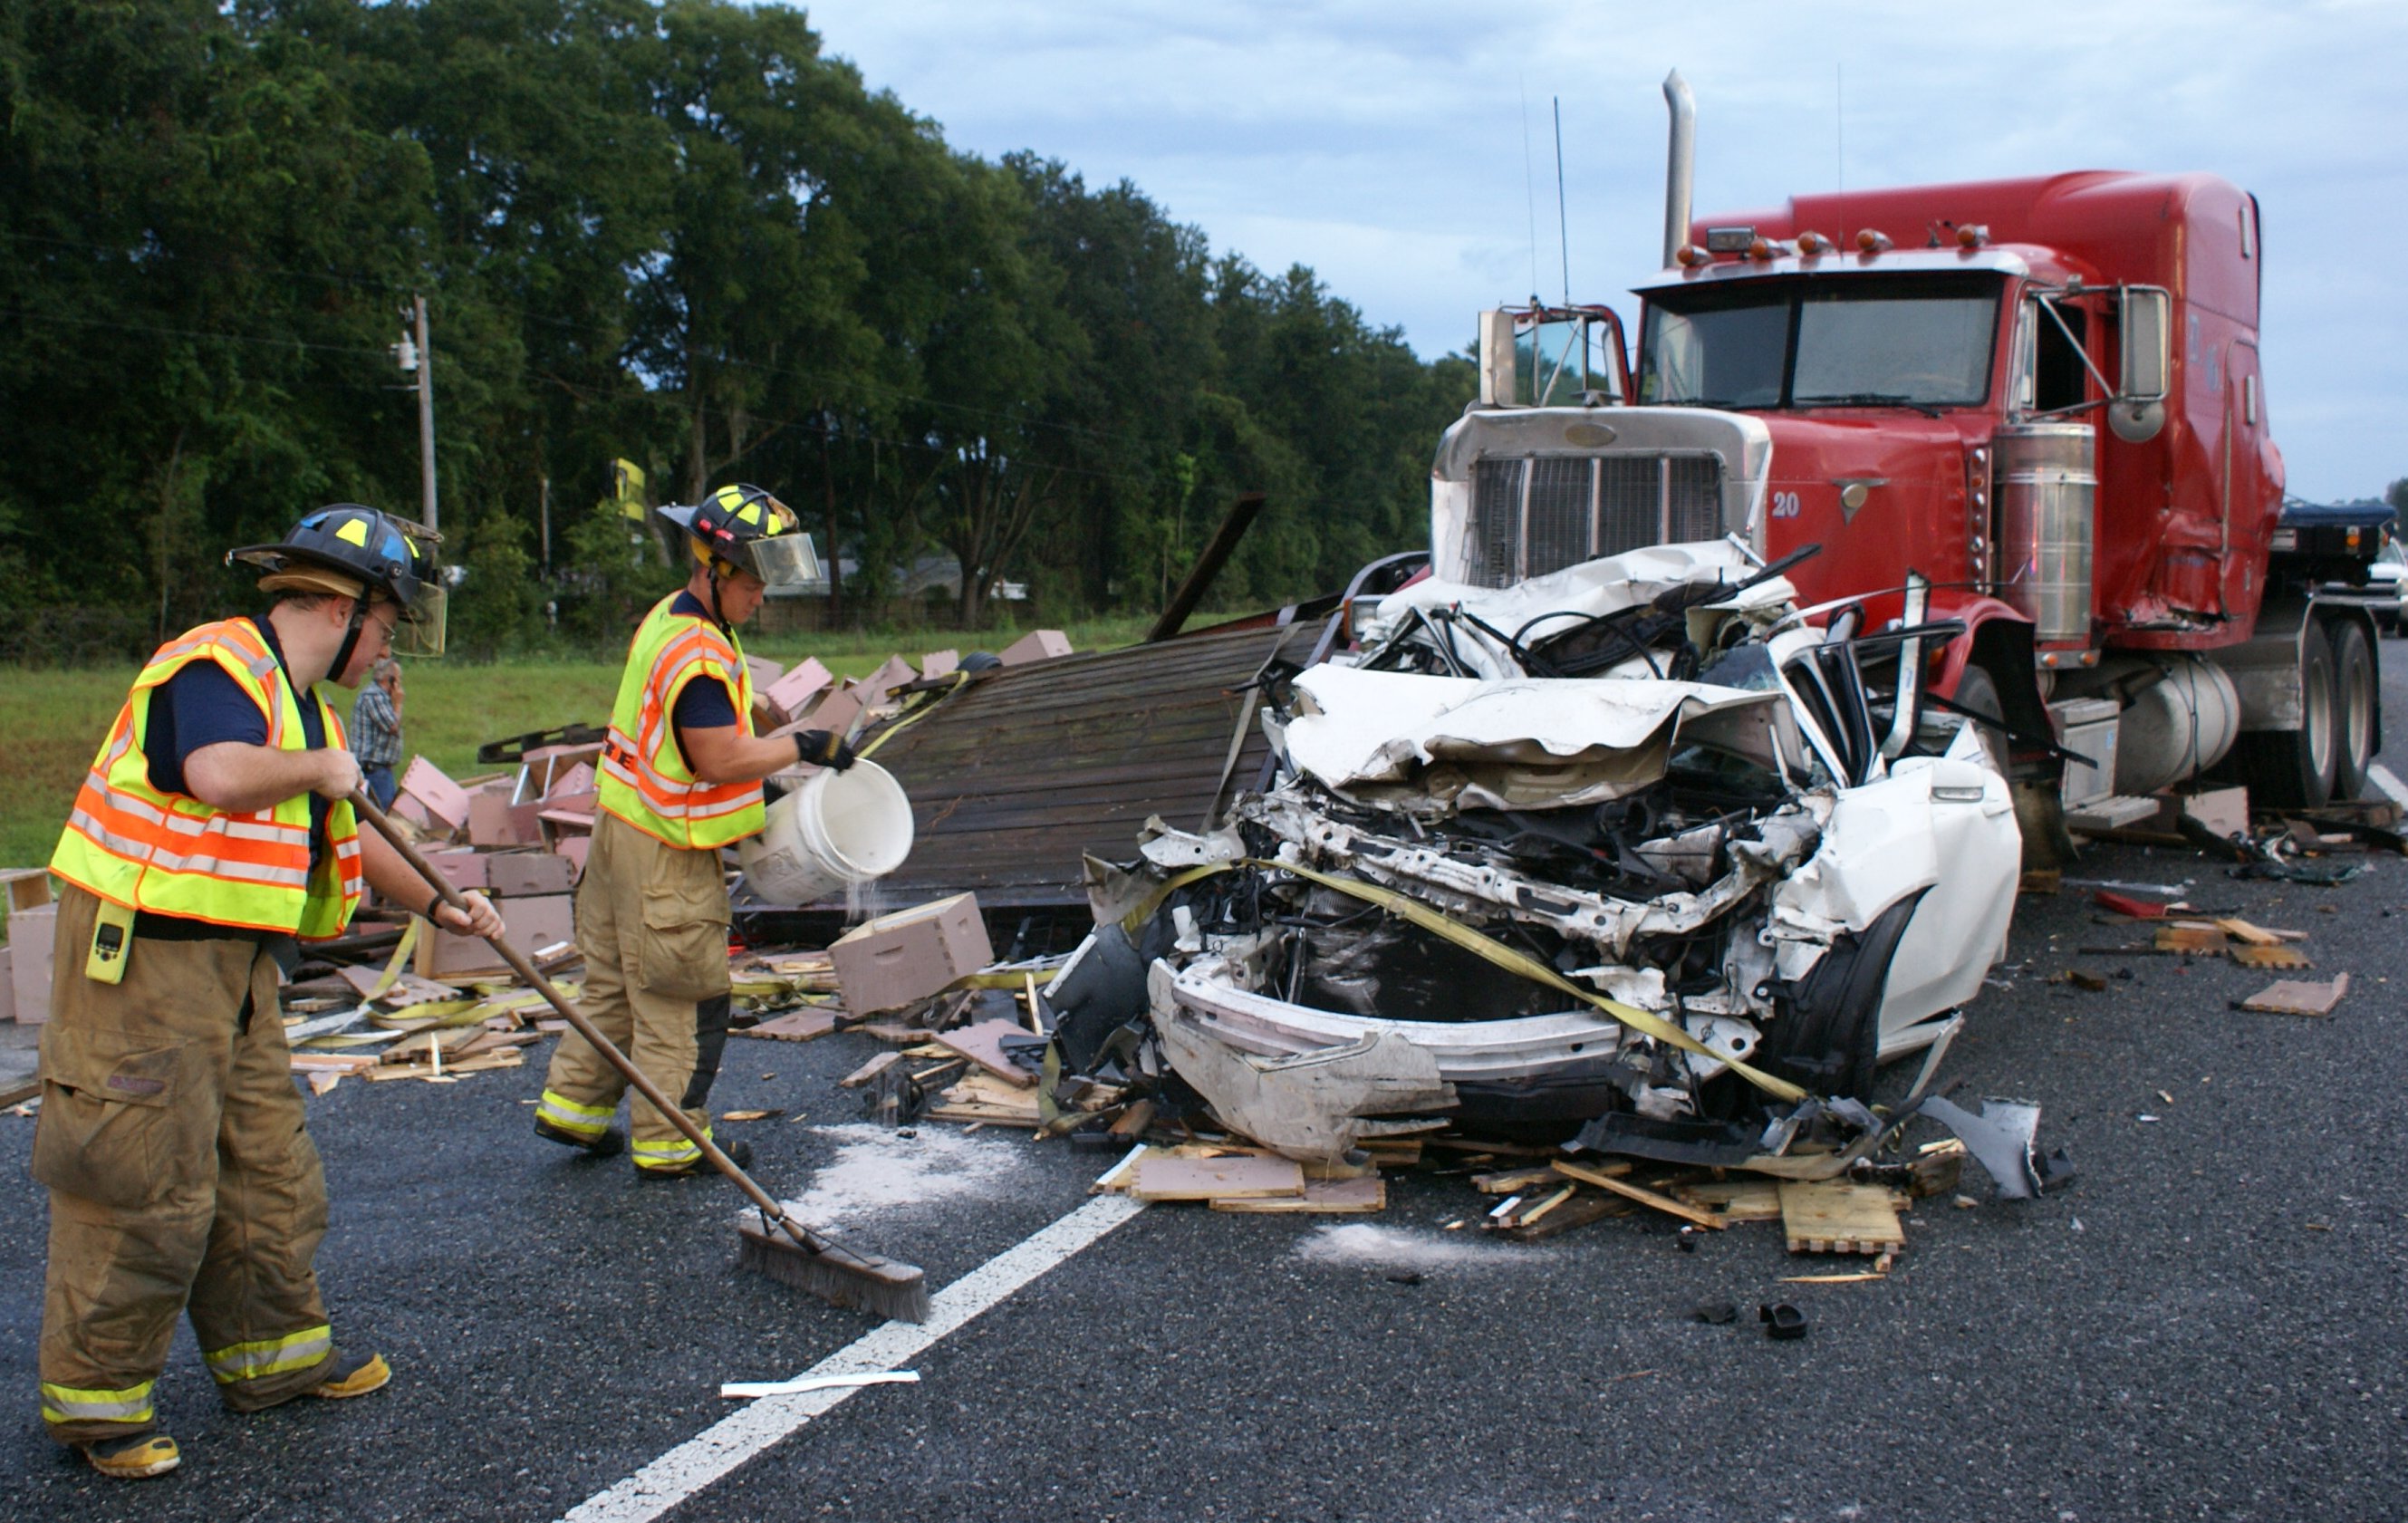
pixel 1626 848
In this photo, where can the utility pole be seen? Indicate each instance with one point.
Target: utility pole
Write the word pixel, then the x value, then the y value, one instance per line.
pixel 426 416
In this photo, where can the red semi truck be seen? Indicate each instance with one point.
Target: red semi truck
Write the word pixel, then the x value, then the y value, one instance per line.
pixel 2044 395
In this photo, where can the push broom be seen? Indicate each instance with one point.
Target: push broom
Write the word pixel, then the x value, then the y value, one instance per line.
pixel 780 1247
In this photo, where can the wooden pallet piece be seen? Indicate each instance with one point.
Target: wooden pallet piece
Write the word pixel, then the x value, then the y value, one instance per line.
pixel 1839 1216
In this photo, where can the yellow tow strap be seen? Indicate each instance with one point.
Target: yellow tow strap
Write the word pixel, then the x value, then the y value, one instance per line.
pixel 910 719
pixel 401 951
pixel 1641 1021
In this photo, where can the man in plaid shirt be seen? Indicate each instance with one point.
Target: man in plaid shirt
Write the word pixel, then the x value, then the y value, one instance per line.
pixel 376 730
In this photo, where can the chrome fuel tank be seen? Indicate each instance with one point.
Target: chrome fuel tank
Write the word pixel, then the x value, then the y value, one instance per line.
pixel 2048 498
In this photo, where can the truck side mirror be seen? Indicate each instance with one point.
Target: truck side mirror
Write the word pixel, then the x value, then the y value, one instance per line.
pixel 2139 410
pixel 1497 359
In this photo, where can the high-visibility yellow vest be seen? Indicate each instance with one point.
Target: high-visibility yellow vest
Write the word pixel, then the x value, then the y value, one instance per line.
pixel 172 855
pixel 644 778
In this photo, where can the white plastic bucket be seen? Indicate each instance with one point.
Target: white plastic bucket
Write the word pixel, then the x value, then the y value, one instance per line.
pixel 837 830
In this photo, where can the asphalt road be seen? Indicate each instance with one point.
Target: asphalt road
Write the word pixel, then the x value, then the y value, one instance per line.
pixel 2208 1324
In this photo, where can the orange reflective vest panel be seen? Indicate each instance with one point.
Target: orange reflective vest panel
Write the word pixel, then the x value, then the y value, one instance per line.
pixel 172 855
pixel 644 779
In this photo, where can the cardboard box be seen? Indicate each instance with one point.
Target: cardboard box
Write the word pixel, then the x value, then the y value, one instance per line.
pixel 2224 811
pixel 524 875
pixel 891 961
pixel 495 820
pixel 29 888
pixel 30 933
pixel 798 688
pixel 941 663
pixel 545 768
pixel 573 848
pixel 465 869
pixel 840 711
pixel 442 797
pixel 7 986
pixel 1037 645
pixel 531 927
pixel 895 673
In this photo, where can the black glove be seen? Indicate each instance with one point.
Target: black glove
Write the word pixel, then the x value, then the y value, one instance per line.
pixel 771 790
pixel 824 748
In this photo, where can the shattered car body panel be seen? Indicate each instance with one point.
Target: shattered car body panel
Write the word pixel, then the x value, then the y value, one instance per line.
pixel 1611 770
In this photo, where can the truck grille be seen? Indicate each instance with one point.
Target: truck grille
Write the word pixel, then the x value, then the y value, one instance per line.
pixel 1538 514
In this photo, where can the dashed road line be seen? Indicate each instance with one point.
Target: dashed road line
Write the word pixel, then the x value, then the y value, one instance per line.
pixel 727 1444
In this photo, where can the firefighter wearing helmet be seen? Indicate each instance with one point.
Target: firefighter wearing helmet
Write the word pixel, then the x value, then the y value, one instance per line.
pixel 679 777
pixel 214 831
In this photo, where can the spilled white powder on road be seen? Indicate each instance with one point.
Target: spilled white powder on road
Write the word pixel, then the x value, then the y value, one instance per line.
pixel 1392 1247
pixel 878 1170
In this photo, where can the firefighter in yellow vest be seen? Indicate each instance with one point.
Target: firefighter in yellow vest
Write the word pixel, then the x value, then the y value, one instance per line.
pixel 679 778
pixel 211 833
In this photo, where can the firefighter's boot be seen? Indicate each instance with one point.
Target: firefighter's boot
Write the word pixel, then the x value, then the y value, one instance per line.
pixel 353 1374
pixel 134 1458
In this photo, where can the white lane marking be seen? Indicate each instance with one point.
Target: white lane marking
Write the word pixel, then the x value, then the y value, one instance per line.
pixel 2384 777
pixel 735 1439
pixel 750 1390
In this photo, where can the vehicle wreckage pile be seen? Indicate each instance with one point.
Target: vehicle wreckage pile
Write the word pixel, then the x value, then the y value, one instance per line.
pixel 1617 867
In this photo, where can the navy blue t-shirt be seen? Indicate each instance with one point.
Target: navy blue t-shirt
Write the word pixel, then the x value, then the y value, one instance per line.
pixel 203 705
pixel 705 703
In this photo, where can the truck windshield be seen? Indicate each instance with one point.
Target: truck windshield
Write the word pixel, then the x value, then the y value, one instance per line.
pixel 1915 340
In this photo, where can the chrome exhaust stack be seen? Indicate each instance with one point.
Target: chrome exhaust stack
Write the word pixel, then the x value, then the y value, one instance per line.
pixel 1681 165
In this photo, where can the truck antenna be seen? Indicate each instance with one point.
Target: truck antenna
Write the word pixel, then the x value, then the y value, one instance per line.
pixel 1563 228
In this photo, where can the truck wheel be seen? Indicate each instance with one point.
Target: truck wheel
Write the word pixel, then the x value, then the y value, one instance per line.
pixel 2294 769
pixel 2354 702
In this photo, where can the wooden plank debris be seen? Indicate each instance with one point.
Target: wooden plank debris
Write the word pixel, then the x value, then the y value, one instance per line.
pixel 1331 1197
pixel 2295 996
pixel 1580 1210
pixel 1664 1203
pixel 2191 938
pixel 982 1044
pixel 1244 1176
pixel 985 1100
pixel 796 1025
pixel 2275 957
pixel 869 1071
pixel 1839 1216
pixel 1736 1200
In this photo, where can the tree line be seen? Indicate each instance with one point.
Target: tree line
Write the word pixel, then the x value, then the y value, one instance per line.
pixel 673 232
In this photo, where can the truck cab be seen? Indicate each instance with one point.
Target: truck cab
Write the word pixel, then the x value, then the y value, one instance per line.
pixel 2042 395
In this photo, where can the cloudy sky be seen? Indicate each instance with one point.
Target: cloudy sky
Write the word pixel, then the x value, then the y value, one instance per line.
pixel 1404 150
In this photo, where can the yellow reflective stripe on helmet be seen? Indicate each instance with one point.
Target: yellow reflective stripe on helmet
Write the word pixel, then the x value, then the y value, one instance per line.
pixel 270 1356
pixel 68 1404
pixel 566 1113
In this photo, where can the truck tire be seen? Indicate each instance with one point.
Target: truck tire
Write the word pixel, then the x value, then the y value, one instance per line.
pixel 2294 769
pixel 2354 712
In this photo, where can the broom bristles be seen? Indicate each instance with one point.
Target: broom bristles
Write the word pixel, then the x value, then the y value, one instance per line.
pixel 849 1278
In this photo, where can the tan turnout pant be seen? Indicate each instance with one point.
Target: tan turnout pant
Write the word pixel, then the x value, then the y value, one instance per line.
pixel 652 923
pixel 181 1181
